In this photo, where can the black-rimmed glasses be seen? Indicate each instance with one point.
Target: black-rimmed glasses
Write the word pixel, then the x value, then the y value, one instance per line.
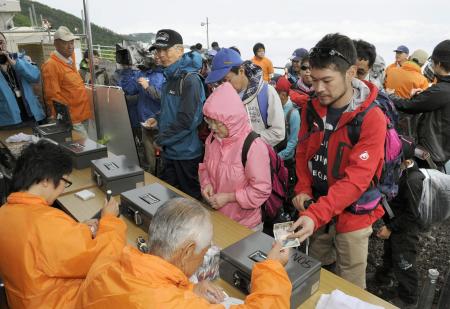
pixel 67 183
pixel 325 52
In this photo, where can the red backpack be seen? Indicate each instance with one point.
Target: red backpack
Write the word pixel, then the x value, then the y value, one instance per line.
pixel 278 175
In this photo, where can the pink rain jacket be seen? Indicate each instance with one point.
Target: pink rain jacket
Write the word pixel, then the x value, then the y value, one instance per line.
pixel 222 165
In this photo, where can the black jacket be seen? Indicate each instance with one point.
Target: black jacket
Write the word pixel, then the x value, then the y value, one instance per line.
pixel 433 128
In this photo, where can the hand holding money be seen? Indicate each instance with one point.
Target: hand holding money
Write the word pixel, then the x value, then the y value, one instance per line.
pixel 278 253
pixel 281 232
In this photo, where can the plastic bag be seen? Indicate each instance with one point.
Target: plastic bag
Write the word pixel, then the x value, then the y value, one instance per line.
pixel 434 203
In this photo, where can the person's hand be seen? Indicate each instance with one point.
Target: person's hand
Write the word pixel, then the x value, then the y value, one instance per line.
pixel 279 254
pixel 416 91
pixel 299 200
pixel 111 207
pixel 221 199
pixel 143 82
pixel 93 226
pixel 209 291
pixel 208 192
pixel 151 122
pixel 384 232
pixel 306 225
pixel 390 91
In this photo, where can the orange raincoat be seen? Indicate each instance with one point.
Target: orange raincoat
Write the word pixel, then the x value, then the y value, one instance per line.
pixel 63 83
pixel 45 254
pixel 137 280
pixel 405 78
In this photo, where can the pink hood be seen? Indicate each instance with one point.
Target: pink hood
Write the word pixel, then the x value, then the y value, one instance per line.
pixel 225 105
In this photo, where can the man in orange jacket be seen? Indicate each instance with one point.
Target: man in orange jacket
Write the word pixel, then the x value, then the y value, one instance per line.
pixel 63 83
pixel 404 79
pixel 45 254
pixel 180 233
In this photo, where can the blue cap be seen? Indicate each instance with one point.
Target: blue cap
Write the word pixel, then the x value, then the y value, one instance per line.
pixel 402 49
pixel 222 63
pixel 298 54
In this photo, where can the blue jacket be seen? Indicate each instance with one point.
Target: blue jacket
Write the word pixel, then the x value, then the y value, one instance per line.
pixel 294 127
pixel 126 79
pixel 146 106
pixel 181 109
pixel 9 110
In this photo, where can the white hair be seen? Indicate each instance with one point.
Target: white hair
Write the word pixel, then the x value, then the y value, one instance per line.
pixel 179 220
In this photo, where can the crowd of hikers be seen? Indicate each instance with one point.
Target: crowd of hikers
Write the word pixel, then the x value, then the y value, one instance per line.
pixel 335 142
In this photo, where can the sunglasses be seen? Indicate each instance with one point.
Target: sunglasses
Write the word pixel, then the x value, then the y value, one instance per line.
pixel 325 52
pixel 67 183
pixel 305 67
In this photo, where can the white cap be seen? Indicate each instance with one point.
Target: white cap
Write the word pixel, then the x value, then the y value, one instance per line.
pixel 63 33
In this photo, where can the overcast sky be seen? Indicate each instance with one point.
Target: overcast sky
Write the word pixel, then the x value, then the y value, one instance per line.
pixel 282 25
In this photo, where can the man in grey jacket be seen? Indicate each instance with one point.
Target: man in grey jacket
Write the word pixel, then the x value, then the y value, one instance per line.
pixel 261 100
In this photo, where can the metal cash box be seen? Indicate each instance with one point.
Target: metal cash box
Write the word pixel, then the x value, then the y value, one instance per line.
pixel 59 131
pixel 141 204
pixel 237 260
pixel 85 150
pixel 116 173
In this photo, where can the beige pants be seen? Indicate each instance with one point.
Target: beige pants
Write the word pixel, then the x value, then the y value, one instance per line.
pixel 348 250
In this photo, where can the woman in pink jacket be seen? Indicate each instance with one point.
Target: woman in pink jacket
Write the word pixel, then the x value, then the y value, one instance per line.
pixel 226 185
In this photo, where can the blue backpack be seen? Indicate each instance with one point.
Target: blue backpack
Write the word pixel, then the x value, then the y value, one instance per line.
pixel 263 102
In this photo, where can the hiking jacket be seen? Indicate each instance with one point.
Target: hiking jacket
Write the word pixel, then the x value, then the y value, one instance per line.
pixel 358 165
pixel 405 78
pixel 148 105
pixel 274 132
pixel 294 127
pixel 222 165
pixel 433 128
pixel 299 97
pixel 63 83
pixel 138 280
pixel 27 74
pixel 46 254
pixel 182 97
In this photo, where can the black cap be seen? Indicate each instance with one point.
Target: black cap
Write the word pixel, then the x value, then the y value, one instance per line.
pixel 441 53
pixel 166 38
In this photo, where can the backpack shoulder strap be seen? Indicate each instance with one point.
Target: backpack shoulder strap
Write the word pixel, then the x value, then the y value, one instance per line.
pixel 263 102
pixel 183 78
pixel 288 118
pixel 247 143
pixel 354 126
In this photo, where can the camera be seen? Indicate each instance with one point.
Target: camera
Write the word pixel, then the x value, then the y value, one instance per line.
pixel 3 58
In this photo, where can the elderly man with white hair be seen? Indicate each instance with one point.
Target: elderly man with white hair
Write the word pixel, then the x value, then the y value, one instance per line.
pixel 179 236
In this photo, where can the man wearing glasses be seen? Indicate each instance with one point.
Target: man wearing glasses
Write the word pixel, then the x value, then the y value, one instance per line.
pixel 45 254
pixel 182 97
pixel 332 173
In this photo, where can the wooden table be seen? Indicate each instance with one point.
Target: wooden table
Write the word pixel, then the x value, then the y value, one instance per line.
pixel 226 232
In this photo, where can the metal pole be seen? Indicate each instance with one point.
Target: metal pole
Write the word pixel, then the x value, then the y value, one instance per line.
pixel 207 34
pixel 34 14
pixel 91 66
pixel 83 22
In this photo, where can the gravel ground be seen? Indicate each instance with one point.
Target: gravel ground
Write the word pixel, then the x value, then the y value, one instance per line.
pixel 433 252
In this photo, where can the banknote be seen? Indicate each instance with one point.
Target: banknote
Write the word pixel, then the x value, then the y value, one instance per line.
pixel 281 232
